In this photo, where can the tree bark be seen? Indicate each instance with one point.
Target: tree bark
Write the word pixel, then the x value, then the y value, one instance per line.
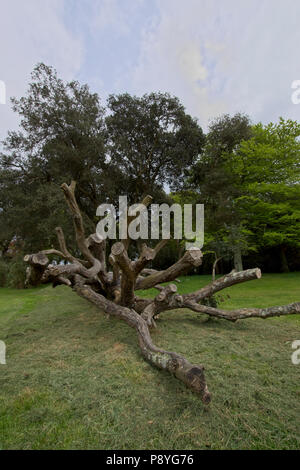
pixel 284 263
pixel 215 267
pixel 237 259
pixel 114 292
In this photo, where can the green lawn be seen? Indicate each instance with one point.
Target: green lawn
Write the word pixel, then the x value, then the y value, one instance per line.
pixel 76 380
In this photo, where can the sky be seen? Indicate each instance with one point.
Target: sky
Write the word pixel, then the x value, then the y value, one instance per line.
pixel 217 56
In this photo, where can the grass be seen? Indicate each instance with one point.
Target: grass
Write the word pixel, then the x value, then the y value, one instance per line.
pixel 76 380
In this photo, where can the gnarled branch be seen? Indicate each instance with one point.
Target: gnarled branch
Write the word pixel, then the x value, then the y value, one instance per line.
pixel 191 258
pixel 114 292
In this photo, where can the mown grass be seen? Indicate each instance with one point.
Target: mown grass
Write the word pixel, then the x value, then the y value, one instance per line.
pixel 75 379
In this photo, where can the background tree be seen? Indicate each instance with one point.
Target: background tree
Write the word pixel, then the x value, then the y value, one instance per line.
pixel 152 140
pixel 216 186
pixel 62 134
pixel 143 145
pixel 267 169
pixel 248 178
pixel 246 175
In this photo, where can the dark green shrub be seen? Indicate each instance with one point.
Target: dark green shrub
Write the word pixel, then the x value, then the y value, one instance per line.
pixel 3 273
pixel 212 301
pixel 16 273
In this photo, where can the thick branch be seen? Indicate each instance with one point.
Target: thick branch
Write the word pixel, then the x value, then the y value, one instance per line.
pixel 116 270
pixel 242 313
pixel 38 264
pixel 222 283
pixel 69 192
pixel 72 269
pixel 191 375
pixel 168 299
pixel 128 277
pixel 65 252
pixel 191 258
pixel 148 271
pixel 145 203
pixel 90 279
pixel 165 300
pixel 41 272
pixel 97 246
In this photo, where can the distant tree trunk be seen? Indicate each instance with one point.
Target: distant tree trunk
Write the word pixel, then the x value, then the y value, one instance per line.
pixel 284 264
pixel 215 268
pixel 237 259
pixel 221 266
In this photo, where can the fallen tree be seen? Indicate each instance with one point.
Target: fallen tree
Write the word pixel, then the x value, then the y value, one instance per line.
pixel 115 291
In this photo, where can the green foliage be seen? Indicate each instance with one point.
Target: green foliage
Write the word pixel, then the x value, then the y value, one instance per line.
pixel 3 273
pixel 62 137
pixel 214 181
pixel 142 144
pixel 13 272
pixel 271 155
pixel 152 140
pixel 248 178
pixel 169 255
pixel 16 273
pixel 213 301
pixel 267 167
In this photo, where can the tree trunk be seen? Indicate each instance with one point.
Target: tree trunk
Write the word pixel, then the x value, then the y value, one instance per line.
pixel 237 259
pixel 283 259
pixel 215 267
pixel 114 292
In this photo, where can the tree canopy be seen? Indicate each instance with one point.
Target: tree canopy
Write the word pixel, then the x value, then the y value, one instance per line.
pixel 152 140
pixel 132 146
pixel 245 174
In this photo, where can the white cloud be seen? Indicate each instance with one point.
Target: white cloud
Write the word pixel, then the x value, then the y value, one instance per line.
pixel 224 56
pixel 33 31
pixel 217 56
pixel 108 16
